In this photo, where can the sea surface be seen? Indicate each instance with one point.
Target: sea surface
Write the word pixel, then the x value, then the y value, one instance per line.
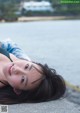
pixel 56 43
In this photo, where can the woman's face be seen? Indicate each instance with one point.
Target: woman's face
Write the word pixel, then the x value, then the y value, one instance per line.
pixel 22 74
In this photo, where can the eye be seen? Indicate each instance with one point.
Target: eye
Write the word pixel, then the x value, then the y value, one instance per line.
pixel 27 65
pixel 22 80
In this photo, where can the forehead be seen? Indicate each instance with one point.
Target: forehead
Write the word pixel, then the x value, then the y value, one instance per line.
pixel 35 68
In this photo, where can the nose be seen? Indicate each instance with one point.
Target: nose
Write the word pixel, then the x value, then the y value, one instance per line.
pixel 17 70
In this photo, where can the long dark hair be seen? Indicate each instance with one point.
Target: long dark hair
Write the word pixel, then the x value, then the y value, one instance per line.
pixel 52 87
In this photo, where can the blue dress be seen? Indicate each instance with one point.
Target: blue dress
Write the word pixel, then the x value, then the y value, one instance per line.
pixel 13 48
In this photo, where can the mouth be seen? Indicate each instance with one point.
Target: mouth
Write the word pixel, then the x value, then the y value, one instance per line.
pixel 9 69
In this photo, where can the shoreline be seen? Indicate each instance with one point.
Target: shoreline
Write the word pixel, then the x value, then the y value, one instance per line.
pixel 40 18
pixel 43 18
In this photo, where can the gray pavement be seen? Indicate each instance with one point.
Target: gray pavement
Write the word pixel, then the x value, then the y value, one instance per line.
pixel 59 106
pixel 56 43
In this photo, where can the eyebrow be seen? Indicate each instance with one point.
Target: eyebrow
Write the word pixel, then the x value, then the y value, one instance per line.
pixel 37 80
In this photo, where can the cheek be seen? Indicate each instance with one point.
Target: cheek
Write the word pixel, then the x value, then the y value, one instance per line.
pixel 13 81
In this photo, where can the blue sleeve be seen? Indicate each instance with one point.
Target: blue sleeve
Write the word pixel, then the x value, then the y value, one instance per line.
pixel 13 48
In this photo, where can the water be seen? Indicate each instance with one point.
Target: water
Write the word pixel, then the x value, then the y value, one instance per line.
pixel 56 43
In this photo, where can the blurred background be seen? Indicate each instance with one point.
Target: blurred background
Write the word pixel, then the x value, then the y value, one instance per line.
pixel 48 31
pixel 12 10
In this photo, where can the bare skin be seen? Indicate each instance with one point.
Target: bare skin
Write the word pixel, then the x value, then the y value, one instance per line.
pixel 20 74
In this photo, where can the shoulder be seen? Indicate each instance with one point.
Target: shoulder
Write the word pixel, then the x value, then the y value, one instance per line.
pixel 13 57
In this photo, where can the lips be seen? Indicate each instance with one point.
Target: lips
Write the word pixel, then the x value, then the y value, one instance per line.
pixel 9 70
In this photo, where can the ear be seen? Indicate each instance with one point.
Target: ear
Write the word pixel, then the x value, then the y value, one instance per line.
pixel 17 91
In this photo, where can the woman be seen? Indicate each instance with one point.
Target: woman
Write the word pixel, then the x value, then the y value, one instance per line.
pixel 22 80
